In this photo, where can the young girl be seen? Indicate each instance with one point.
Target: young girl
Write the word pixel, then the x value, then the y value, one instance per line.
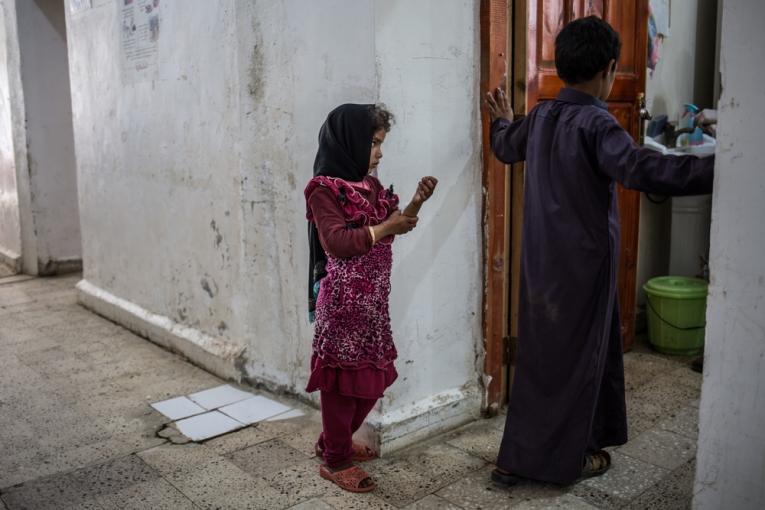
pixel 352 223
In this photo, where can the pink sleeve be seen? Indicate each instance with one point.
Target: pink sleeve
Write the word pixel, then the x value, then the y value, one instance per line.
pixel 337 238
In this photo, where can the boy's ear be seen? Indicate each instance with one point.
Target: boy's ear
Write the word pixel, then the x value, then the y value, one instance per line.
pixel 610 68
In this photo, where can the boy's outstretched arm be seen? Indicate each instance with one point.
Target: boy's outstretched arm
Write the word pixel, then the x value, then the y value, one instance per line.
pixel 508 138
pixel 646 170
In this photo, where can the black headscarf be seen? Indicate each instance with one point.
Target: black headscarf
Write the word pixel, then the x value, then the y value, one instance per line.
pixel 345 142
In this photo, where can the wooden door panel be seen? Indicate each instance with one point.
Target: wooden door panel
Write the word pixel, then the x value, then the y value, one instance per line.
pixel 584 8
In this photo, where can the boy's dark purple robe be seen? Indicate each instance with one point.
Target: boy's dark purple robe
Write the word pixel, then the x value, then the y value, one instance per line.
pixel 568 394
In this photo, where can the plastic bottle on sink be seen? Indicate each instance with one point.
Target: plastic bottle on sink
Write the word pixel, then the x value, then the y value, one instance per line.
pixel 688 120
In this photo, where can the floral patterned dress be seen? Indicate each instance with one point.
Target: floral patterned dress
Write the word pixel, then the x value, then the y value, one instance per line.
pixel 353 349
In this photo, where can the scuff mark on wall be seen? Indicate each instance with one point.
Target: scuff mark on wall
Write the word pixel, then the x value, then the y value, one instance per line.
pixel 256 69
pixel 211 290
pixel 218 235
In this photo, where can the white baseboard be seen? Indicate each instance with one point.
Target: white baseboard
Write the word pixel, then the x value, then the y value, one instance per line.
pixel 418 421
pixel 10 259
pixel 213 354
pixel 59 266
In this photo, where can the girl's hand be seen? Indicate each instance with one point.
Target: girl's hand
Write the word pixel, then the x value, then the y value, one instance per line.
pixel 425 189
pixel 398 224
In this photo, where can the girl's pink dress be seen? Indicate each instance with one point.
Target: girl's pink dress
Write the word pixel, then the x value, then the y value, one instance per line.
pixel 353 350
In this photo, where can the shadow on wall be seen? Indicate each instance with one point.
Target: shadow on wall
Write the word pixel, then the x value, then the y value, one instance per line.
pixel 453 204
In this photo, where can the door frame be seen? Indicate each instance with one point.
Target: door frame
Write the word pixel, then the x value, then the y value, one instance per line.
pixel 495 46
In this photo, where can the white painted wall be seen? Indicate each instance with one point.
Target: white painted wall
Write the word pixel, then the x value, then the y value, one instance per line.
pixel 428 63
pixel 298 60
pixel 10 226
pixel 731 450
pixel 194 181
pixel 49 140
pixel 158 167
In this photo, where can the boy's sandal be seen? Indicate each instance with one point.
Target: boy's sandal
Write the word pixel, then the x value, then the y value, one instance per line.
pixel 361 453
pixel 350 479
pixel 595 464
pixel 502 477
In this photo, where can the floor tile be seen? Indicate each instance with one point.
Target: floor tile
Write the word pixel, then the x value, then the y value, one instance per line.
pixel 683 420
pixel 299 433
pixel 156 495
pixel 76 489
pixel 642 414
pixel 399 483
pixel 657 400
pixel 239 440
pixel 221 484
pixel 295 413
pixel 253 410
pixel 565 502
pixel 477 491
pixel 627 478
pixel 218 397
pixel 350 501
pixel 661 448
pixel 479 439
pixel 675 491
pixel 441 463
pixel 432 502
pixel 178 407
pixel 313 504
pixel 205 426
pixel 301 482
pixel 169 459
pixel 266 458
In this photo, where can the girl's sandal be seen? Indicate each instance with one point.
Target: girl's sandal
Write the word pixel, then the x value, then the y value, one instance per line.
pixel 595 464
pixel 350 479
pixel 361 453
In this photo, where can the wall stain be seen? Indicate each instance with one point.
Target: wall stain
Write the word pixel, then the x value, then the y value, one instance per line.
pixel 256 84
pixel 206 287
pixel 218 235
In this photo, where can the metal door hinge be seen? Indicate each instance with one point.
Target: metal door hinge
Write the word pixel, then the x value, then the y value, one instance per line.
pixel 509 350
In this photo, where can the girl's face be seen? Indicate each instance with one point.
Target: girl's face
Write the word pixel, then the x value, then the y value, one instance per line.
pixel 375 155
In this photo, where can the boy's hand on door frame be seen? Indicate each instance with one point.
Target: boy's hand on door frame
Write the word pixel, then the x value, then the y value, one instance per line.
pixel 498 105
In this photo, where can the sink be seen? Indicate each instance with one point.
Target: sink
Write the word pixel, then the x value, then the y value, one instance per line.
pixel 705 149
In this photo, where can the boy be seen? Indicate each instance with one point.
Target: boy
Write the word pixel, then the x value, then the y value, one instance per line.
pixel 567 401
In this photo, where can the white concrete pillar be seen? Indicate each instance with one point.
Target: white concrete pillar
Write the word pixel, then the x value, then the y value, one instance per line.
pixel 731 449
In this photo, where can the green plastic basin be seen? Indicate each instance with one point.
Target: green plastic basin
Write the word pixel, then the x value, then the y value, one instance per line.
pixel 676 308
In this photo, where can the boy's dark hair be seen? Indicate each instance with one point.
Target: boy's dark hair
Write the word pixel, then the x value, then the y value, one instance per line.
pixel 381 117
pixel 583 49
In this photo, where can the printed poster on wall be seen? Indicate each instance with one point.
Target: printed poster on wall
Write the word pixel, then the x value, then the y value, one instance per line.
pixel 140 38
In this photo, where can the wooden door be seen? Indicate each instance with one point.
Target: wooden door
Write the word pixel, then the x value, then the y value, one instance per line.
pixel 630 18
pixel 518 40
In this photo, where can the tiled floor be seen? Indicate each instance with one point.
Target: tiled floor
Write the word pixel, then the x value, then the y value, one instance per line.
pixel 6 271
pixel 78 431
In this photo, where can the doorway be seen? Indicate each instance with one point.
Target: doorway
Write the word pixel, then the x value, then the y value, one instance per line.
pixel 40 127
pixel 517 40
